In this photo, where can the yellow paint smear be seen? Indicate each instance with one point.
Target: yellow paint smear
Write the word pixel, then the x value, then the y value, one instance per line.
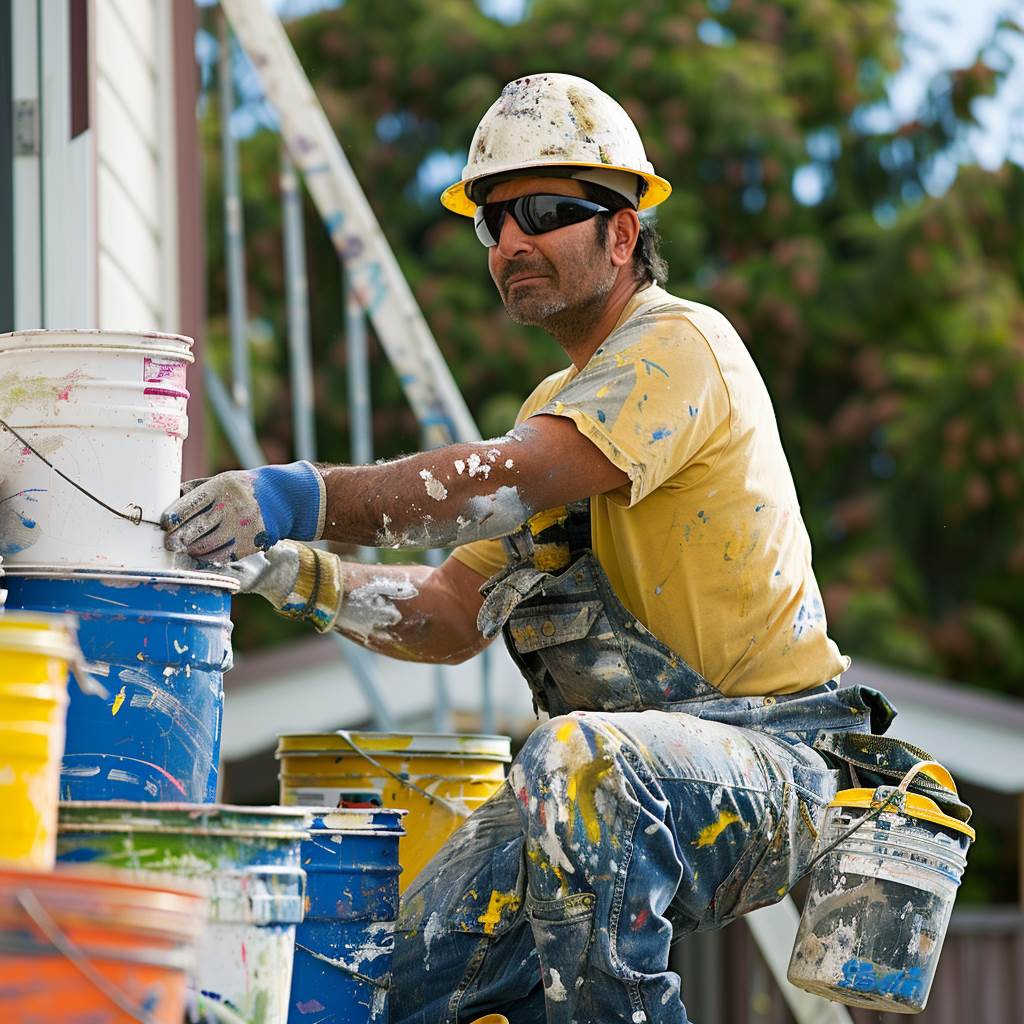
pixel 491 918
pixel 564 732
pixel 118 701
pixel 582 789
pixel 711 833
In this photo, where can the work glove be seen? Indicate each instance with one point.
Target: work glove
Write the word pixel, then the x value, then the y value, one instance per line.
pixel 231 515
pixel 299 581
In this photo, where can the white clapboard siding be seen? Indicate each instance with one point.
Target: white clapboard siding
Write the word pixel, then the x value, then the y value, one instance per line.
pixel 134 163
pixel 117 293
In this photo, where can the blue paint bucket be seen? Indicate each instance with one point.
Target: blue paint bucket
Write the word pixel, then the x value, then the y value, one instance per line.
pixel 159 643
pixel 343 948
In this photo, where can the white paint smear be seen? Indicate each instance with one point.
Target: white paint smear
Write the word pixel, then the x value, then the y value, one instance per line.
pixel 555 990
pixel 435 488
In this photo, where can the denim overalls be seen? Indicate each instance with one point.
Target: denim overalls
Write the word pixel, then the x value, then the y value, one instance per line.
pixel 649 806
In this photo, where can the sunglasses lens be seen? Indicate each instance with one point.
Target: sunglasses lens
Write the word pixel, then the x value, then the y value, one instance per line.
pixel 487 221
pixel 539 214
pixel 535 215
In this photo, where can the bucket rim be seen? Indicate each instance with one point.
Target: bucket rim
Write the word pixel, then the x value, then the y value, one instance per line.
pixel 916 806
pixel 82 571
pixel 182 806
pixel 432 744
pixel 79 337
pixel 54 637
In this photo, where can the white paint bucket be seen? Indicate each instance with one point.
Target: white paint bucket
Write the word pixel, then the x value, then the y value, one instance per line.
pixel 879 901
pixel 107 410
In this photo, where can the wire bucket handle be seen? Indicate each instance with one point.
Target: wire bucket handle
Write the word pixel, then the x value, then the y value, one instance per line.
pixel 451 808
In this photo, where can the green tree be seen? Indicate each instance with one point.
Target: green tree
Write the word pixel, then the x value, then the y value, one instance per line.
pixel 887 322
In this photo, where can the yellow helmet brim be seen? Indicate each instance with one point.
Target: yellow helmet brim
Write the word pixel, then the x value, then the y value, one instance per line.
pixel 455 199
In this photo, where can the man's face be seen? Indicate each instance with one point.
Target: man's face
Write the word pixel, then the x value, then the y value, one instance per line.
pixel 542 276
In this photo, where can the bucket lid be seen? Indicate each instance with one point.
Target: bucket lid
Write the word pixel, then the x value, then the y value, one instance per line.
pixel 497 748
pixel 914 806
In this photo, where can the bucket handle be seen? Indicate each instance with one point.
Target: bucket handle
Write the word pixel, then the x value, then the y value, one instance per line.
pixel 134 516
pixel 896 796
pixel 29 902
pixel 381 983
pixel 451 808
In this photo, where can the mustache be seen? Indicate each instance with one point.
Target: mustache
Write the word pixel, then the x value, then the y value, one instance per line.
pixel 521 268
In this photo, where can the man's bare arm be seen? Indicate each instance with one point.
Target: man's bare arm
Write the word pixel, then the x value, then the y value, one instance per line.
pixel 466 492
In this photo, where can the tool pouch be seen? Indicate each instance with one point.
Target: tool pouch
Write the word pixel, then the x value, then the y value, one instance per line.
pixel 867 762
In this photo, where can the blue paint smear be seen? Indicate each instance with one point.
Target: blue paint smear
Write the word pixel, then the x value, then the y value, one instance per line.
pixel 694 409
pixel 778 572
pixel 601 416
pixel 757 508
pixel 649 365
pixel 333 221
pixel 660 434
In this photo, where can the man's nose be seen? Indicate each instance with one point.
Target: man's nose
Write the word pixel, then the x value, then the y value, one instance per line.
pixel 512 240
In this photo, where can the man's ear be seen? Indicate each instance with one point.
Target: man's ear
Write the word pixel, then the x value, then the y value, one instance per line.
pixel 623 231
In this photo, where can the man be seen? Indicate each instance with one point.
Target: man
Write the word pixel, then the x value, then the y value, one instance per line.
pixel 654 585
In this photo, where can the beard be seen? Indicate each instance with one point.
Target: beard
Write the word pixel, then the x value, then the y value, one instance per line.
pixel 562 306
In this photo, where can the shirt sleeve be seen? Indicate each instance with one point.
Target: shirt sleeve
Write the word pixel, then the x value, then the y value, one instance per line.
pixel 651 399
pixel 485 557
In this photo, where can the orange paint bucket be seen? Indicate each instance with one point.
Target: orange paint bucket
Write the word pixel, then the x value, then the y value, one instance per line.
pixel 81 946
pixel 35 651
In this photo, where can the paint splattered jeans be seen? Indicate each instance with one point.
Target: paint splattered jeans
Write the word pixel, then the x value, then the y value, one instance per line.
pixel 620 827
pixel 614 832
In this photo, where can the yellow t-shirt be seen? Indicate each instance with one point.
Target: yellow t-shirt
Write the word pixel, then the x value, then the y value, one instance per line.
pixel 705 545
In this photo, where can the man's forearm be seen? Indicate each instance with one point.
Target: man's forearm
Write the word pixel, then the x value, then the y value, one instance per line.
pixel 405 611
pixel 441 498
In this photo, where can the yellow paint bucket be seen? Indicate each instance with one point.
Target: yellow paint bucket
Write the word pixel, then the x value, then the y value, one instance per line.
pixel 35 651
pixel 440 778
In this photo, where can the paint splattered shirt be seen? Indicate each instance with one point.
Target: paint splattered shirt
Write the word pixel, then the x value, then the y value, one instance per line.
pixel 705 545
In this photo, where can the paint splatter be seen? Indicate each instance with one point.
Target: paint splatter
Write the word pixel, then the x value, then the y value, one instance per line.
pixel 601 416
pixel 649 365
pixel 709 835
pixel 660 434
pixel 758 508
pixel 435 488
pixel 460 467
pixel 693 409
pixel 118 701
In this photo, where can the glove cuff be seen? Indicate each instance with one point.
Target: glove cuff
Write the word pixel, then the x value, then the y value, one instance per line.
pixel 318 590
pixel 292 501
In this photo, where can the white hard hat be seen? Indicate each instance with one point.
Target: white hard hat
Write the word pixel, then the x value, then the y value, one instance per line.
pixel 560 122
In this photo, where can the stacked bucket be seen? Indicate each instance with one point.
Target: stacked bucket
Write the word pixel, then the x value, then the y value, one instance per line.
pixel 161 896
pixel 91 444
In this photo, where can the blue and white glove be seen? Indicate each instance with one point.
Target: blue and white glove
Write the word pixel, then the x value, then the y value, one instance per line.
pixel 231 515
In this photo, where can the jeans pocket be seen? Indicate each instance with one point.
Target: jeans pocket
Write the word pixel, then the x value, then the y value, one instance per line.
pixel 563 930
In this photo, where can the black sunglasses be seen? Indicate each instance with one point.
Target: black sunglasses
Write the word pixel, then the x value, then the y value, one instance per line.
pixel 535 215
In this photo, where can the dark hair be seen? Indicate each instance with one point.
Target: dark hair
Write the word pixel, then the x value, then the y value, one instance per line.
pixel 649 266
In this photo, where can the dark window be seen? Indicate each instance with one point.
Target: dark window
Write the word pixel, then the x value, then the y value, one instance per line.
pixel 6 170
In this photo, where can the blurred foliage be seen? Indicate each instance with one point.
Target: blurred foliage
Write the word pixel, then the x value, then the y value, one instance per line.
pixel 887 322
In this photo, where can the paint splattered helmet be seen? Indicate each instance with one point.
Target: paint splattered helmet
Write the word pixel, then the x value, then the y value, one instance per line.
pixel 563 125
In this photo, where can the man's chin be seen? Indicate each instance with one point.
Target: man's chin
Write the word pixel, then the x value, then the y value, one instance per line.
pixel 532 314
